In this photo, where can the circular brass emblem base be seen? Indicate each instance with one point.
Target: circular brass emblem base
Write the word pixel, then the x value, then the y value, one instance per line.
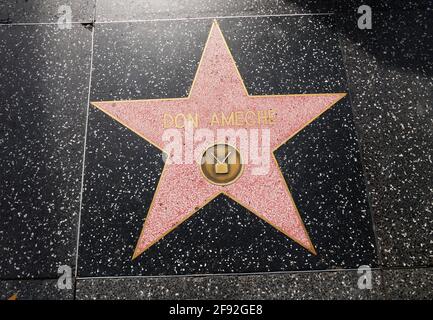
pixel 221 164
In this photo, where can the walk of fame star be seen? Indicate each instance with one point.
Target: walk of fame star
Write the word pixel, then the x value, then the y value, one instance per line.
pixel 185 188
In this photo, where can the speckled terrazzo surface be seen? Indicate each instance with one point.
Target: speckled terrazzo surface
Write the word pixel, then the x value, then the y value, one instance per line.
pixel 229 239
pixel 273 286
pixel 390 75
pixel 33 290
pixel 360 174
pixel 43 99
pixel 162 9
pixel 43 11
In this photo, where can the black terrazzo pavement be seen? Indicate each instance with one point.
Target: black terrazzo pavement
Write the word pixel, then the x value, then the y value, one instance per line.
pixel 390 76
pixel 130 10
pixel 44 92
pixel 45 74
pixel 47 11
pixel 33 290
pixel 406 284
pixel 299 286
pixel 409 284
pixel 321 164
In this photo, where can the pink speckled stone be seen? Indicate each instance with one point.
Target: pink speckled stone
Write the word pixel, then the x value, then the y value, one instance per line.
pixel 182 190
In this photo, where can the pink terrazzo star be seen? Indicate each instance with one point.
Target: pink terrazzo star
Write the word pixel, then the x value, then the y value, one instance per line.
pixel 182 189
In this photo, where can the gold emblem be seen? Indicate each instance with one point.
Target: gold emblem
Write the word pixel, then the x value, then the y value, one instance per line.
pixel 221 164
